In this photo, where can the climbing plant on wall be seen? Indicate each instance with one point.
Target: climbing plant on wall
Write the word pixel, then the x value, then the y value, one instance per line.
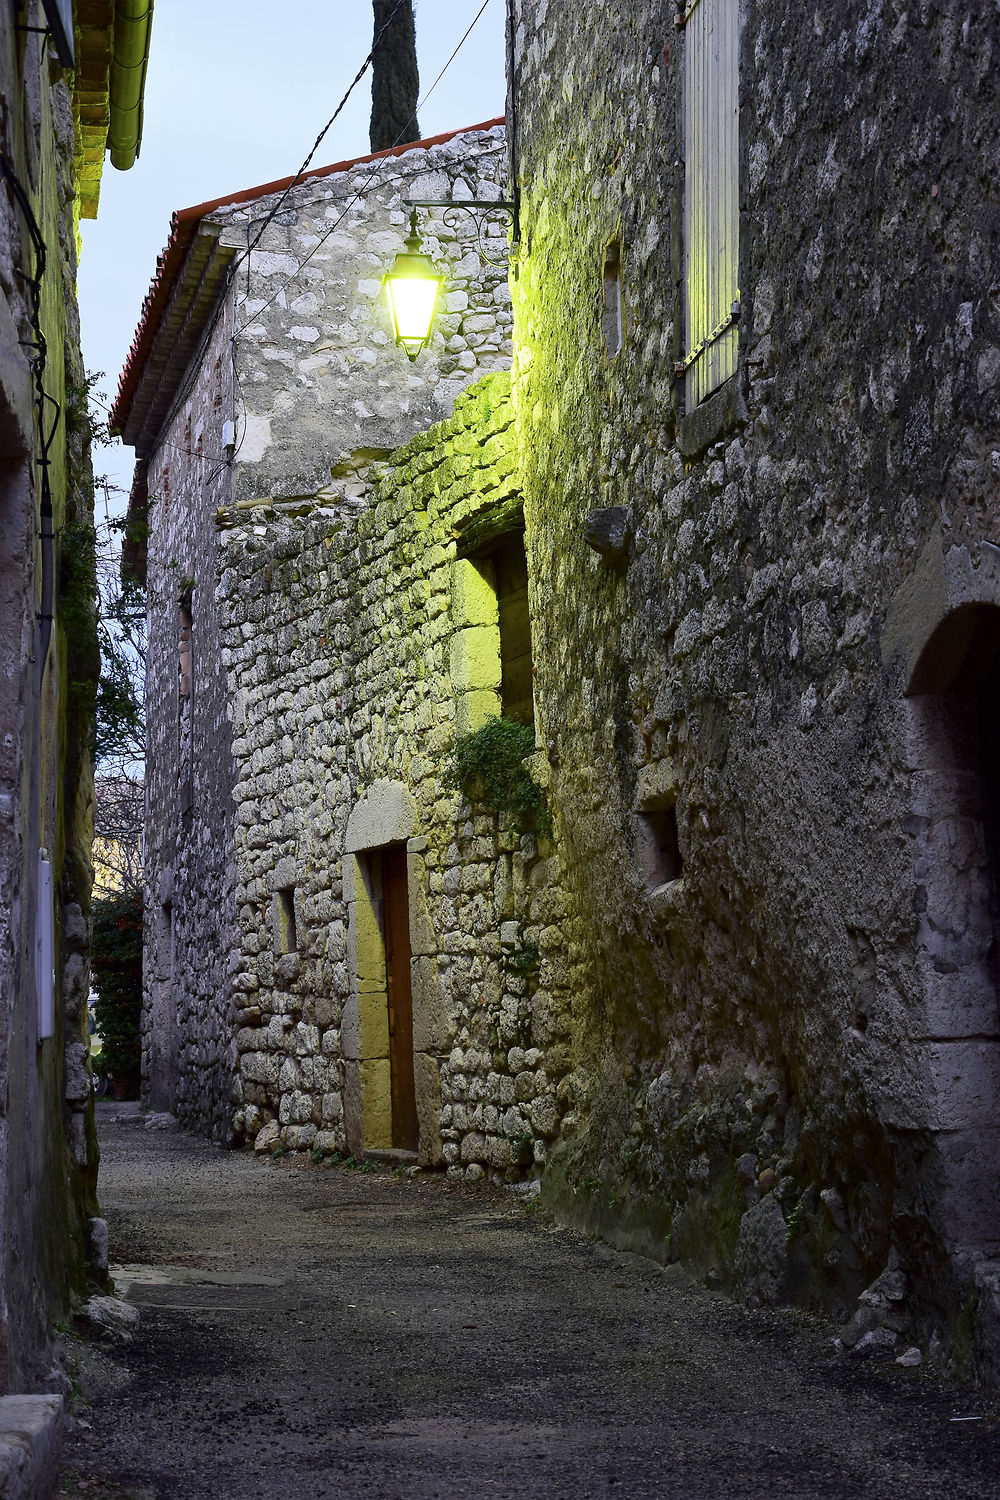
pixel 488 766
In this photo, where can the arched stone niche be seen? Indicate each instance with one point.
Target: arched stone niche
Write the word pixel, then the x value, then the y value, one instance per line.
pixel 945 626
pixel 383 821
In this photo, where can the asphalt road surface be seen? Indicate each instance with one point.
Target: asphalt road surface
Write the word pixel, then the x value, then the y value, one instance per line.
pixel 308 1331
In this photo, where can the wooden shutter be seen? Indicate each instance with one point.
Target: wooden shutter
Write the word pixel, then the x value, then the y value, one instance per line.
pixel 711 195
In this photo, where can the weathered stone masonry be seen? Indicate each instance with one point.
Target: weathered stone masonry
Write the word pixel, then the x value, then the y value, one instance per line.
pixel 349 644
pixel 53 132
pixel 190 925
pixel 792 1071
pixel 276 386
pixel 762 1033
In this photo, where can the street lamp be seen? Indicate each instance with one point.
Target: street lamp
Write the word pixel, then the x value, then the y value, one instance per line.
pixel 412 284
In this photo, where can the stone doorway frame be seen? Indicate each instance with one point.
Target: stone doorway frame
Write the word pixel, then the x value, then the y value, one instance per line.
pixel 932 627
pixel 385 817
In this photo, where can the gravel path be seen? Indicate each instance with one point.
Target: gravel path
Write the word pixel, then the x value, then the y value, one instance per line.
pixel 318 1332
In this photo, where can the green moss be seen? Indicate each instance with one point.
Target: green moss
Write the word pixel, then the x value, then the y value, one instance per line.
pixel 488 767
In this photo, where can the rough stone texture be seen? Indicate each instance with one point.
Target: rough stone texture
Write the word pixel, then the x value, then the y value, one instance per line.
pixel 321 387
pixel 349 694
pixel 774 896
pixel 297 390
pixel 31 1435
pixel 815 989
pixel 48 1158
pixel 187 1024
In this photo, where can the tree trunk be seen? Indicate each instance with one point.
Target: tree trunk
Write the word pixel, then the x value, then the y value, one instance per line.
pixel 395 81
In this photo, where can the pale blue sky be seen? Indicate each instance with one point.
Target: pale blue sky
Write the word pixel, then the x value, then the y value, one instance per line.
pixel 236 93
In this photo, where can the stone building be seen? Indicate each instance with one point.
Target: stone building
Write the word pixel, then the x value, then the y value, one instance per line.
pixel 262 386
pixel 61 99
pixel 770 721
pixel 741 1006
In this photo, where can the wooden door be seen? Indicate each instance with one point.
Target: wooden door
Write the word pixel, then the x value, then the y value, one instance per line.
pixel 396 914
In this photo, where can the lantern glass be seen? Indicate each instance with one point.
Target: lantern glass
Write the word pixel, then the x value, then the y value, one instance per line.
pixel 412 286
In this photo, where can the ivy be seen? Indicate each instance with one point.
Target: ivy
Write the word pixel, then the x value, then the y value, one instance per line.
pixel 488 767
pixel 116 959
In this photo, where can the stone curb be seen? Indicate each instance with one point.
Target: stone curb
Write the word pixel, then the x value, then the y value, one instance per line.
pixel 31 1438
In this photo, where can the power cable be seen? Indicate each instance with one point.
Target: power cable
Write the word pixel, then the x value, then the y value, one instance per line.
pixel 315 146
pixel 382 160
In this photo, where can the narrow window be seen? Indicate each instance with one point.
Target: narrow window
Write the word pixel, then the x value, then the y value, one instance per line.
pixel 510 568
pixel 285 934
pixel 711 196
pixel 612 318
pixel 184 649
pixel 658 845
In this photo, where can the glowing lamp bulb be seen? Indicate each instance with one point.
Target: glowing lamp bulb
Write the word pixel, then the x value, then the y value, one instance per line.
pixel 412 284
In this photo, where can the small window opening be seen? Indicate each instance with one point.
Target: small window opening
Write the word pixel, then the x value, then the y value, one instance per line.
pixel 286 936
pixel 184 650
pixel 516 676
pixel 612 317
pixel 661 854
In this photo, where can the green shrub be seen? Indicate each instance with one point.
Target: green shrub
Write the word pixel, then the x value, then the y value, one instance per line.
pixel 116 960
pixel 488 767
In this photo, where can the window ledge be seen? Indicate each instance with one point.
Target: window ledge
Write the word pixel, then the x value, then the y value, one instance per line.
pixel 712 419
pixel 666 902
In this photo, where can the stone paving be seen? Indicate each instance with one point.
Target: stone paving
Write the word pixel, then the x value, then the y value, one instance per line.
pixel 317 1331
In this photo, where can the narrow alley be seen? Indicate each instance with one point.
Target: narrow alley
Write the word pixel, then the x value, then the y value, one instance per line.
pixel 310 1331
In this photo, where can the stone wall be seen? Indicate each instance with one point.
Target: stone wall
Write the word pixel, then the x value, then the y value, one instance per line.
pixel 319 380
pixel 48 1153
pixel 347 643
pixel 277 415
pixel 768 1086
pixel 190 921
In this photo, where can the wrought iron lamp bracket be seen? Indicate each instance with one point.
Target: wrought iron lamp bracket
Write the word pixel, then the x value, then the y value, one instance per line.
pixel 479 208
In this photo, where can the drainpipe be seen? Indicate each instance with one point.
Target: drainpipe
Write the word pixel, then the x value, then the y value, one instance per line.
pixel 133 23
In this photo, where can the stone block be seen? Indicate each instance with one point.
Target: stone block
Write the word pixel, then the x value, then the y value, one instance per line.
pixel 376 1105
pixel 427 1089
pixel 31 1438
pixel 350 1030
pixel 962 1003
pixel 475 659
pixel 965 1084
pixel 473 1147
pixel 431 1020
pixel 269 1136
pixel 969 1202
pixel 473 709
pixel 373 1022
pixel 386 814
pixel 473 596
pixel 353 1123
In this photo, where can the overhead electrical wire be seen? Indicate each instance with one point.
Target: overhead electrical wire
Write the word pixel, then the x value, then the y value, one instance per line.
pixel 316 143
pixel 244 254
pixel 380 163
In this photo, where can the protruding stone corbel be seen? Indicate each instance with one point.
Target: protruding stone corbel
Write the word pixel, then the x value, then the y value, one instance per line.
pixel 609 531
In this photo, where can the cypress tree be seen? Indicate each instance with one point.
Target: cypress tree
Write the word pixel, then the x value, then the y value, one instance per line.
pixel 395 81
